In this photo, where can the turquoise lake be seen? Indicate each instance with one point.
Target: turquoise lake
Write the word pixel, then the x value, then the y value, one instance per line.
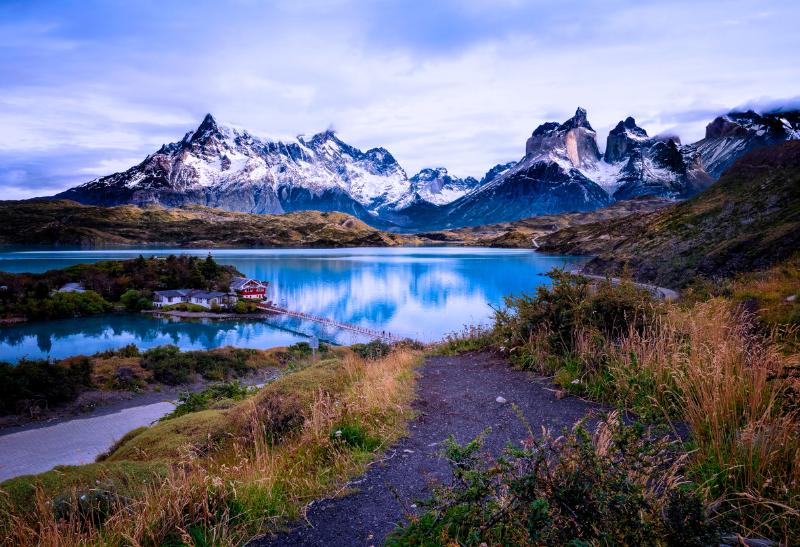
pixel 423 293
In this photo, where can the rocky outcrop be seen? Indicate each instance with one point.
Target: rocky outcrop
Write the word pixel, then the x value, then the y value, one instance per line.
pixel 440 187
pixel 496 171
pixel 549 179
pixel 624 139
pixel 729 137
pixel 657 166
pixel 574 139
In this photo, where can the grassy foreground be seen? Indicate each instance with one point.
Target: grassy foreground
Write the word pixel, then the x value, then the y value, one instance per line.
pixel 221 475
pixel 716 373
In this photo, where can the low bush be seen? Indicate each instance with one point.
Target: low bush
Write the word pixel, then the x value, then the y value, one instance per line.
pixel 131 350
pixel 300 350
pixel 137 300
pixel 471 338
pixel 208 397
pixel 34 385
pixel 279 415
pixel 63 305
pixel 172 367
pixel 187 306
pixel 30 386
pixel 353 435
pixel 571 306
pixel 372 350
pixel 619 486
pixel 246 307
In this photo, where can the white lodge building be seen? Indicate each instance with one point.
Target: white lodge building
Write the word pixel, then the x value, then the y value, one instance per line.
pixel 206 299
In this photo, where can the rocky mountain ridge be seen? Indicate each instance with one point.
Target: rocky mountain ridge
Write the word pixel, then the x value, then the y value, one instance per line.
pixel 730 136
pixel 223 166
pixel 747 221
pixel 563 170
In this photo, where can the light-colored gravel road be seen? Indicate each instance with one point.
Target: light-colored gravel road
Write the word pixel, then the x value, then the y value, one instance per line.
pixel 71 442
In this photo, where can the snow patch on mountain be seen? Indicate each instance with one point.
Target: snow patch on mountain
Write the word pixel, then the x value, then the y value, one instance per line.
pixel 222 165
pixel 606 175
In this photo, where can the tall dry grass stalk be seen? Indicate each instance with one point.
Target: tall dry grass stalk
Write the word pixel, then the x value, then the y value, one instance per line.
pixel 709 367
pixel 228 496
pixel 736 399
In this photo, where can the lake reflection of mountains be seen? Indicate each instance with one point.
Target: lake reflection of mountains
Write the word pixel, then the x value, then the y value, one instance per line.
pixel 421 293
pixel 88 335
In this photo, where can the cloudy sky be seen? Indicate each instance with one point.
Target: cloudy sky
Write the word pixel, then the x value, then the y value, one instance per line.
pixel 89 87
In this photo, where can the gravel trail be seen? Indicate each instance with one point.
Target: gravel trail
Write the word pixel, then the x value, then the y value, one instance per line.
pixel 456 395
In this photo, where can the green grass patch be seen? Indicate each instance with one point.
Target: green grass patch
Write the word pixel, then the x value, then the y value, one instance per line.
pixel 200 432
pixel 470 338
pixel 123 478
pixel 215 396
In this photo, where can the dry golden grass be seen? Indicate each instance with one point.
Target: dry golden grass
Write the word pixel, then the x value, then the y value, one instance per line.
pixel 774 295
pixel 106 369
pixel 708 367
pixel 248 485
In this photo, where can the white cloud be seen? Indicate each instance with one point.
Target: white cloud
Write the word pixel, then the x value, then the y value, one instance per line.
pixel 292 68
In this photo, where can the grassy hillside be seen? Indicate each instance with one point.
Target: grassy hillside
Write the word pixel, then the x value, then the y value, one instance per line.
pixel 219 475
pixel 522 233
pixel 69 223
pixel 748 221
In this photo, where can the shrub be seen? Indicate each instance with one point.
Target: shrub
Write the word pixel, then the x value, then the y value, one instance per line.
pixel 300 350
pixel 570 306
pixel 352 435
pixel 168 365
pixel 279 414
pixel 469 338
pixel 29 385
pixel 131 350
pixel 373 350
pixel 186 306
pixel 171 367
pixel 246 306
pixel 64 305
pixel 135 300
pixel 575 489
pixel 202 400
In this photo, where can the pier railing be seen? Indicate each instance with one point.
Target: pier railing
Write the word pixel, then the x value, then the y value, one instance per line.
pixel 372 333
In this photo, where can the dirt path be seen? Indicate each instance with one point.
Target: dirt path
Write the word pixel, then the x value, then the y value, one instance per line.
pixel 456 395
pixel 659 292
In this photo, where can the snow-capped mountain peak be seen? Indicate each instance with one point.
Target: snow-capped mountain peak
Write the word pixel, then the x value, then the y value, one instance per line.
pixel 735 133
pixel 221 165
pixel 439 187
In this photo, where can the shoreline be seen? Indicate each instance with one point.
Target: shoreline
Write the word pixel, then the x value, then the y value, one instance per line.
pixel 206 314
pixel 180 314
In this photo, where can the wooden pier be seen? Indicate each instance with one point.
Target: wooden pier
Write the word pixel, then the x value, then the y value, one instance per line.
pixel 372 333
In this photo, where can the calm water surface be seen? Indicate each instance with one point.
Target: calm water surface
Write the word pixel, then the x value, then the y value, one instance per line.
pixel 423 293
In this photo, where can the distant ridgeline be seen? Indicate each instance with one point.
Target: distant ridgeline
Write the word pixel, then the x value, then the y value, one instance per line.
pixel 562 170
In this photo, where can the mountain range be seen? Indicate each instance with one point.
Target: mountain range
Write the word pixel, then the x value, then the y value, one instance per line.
pixel 747 221
pixel 222 166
